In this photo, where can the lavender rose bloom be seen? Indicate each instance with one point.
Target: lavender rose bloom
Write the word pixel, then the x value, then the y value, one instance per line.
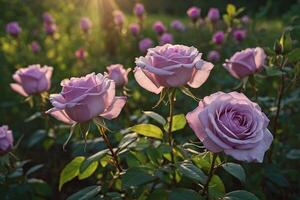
pixel 13 29
pixel 134 29
pixel 119 17
pixel 35 47
pixel 139 10
pixel 85 24
pixel 218 37
pixel 6 140
pixel 194 13
pixel 32 80
pixel 166 38
pixel 246 62
pixel 145 44
pixel 171 66
pixel 177 25
pixel 230 122
pixel 213 56
pixel 213 14
pixel 85 98
pixel 159 27
pixel 118 74
pixel 239 34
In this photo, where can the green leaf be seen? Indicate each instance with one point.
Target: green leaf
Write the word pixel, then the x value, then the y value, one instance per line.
pixel 216 187
pixel 294 154
pixel 70 171
pixel 34 169
pixel 231 9
pixel 272 71
pixel 156 117
pixel 136 176
pixel 86 193
pixel 96 157
pixel 160 194
pixel 191 171
pixel 184 194
pixel 294 55
pixel 235 170
pixel 88 171
pixel 240 195
pixel 227 19
pixel 148 130
pixel 286 42
pixel 154 155
pixel 179 122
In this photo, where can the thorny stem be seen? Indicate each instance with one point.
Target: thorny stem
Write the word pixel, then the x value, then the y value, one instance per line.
pixel 108 144
pixel 210 175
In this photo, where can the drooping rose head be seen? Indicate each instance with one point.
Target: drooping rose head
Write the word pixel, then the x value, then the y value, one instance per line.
pixel 139 10
pixel 48 18
pixel 159 27
pixel 246 62
pixel 6 140
pixel 231 123
pixel 166 38
pixel 35 47
pixel 178 25
pixel 213 14
pixel 194 13
pixel 171 66
pixel 13 29
pixel 32 80
pixel 239 34
pixel 134 29
pixel 50 29
pixel 218 37
pixel 118 74
pixel 145 44
pixel 85 24
pixel 213 56
pixel 119 18
pixel 81 53
pixel 82 99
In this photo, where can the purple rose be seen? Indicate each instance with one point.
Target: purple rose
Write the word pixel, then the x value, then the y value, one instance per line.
pixel 194 13
pixel 171 66
pixel 246 62
pixel 159 27
pixel 85 98
pixel 35 47
pixel 48 18
pixel 218 37
pixel 119 17
pixel 118 74
pixel 239 34
pixel 50 29
pixel 213 14
pixel 32 80
pixel 231 123
pixel 13 29
pixel 85 24
pixel 6 140
pixel 166 38
pixel 139 10
pixel 145 44
pixel 213 56
pixel 177 25
pixel 134 29
pixel 81 54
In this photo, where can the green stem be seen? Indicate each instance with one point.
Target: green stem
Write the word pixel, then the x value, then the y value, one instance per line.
pixel 170 136
pixel 210 175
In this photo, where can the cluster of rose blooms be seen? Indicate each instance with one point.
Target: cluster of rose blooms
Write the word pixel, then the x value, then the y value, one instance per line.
pixel 223 122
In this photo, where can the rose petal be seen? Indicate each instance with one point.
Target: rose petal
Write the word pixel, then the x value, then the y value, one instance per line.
pixel 60 115
pixel 201 75
pixel 115 108
pixel 194 122
pixel 19 89
pixel 145 82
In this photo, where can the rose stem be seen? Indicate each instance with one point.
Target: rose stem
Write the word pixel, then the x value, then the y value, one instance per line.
pixel 170 138
pixel 107 142
pixel 211 173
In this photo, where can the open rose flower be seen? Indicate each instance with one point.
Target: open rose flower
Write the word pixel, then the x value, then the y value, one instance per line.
pixel 118 74
pixel 230 122
pixel 32 80
pixel 85 98
pixel 171 66
pixel 6 140
pixel 246 62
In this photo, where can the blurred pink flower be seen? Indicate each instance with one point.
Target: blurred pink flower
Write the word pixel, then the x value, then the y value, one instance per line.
pixel 159 27
pixel 177 25
pixel 139 10
pixel 35 47
pixel 117 73
pixel 6 140
pixel 85 24
pixel 239 34
pixel 134 29
pixel 194 13
pixel 218 37
pixel 13 29
pixel 213 56
pixel 81 54
pixel 166 38
pixel 119 17
pixel 213 14
pixel 145 44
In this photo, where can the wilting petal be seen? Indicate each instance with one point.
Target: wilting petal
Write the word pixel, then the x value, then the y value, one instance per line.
pixel 19 89
pixel 145 82
pixel 115 108
pixel 60 115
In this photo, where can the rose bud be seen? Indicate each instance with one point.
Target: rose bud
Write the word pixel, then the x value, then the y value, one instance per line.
pixel 35 47
pixel 6 140
pixel 82 99
pixel 246 62
pixel 213 56
pixel 139 10
pixel 231 123
pixel 213 14
pixel 32 80
pixel 134 29
pixel 166 38
pixel 239 34
pixel 13 29
pixel 85 24
pixel 159 27
pixel 50 29
pixel 177 25
pixel 218 37
pixel 119 18
pixel 48 18
pixel 145 44
pixel 171 66
pixel 81 54
pixel 194 13
pixel 118 74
